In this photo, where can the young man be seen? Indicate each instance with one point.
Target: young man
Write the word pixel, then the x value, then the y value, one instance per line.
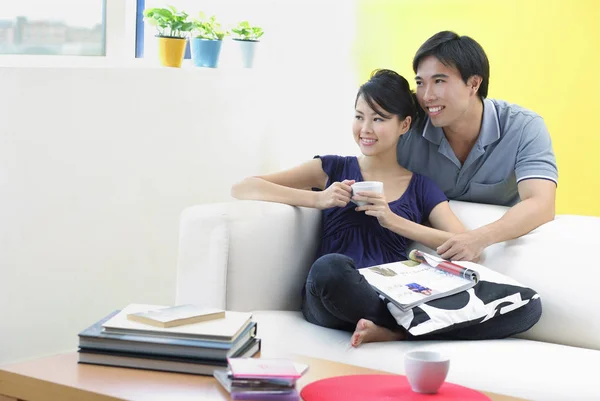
pixel 478 149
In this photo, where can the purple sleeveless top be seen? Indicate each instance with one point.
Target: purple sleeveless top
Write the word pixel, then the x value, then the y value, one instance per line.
pixel 359 236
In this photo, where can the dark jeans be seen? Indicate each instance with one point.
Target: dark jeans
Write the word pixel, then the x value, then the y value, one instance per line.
pixel 338 296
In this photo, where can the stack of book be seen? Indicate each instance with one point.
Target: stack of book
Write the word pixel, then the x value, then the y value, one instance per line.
pixel 261 379
pixel 197 348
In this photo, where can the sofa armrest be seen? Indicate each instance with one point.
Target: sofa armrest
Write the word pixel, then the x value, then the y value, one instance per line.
pixel 552 260
pixel 245 255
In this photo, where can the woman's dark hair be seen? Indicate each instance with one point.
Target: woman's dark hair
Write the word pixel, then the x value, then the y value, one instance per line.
pixel 460 52
pixel 388 93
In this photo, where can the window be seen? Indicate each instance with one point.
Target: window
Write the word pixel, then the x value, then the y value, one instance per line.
pixel 53 27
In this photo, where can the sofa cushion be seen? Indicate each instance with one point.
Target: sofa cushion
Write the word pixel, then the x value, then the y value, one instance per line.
pixel 517 367
pixel 493 296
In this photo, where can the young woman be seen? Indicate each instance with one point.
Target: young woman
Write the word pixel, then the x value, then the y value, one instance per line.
pixel 353 237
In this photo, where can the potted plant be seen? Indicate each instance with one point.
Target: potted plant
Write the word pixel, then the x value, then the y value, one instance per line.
pixel 246 37
pixel 207 38
pixel 172 28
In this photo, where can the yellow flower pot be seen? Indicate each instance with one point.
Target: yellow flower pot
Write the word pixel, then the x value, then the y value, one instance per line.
pixel 171 51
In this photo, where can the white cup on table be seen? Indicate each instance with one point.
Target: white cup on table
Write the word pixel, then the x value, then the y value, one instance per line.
pixel 426 371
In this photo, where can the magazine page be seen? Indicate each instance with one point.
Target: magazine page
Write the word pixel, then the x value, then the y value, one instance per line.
pixel 408 284
pixel 446 265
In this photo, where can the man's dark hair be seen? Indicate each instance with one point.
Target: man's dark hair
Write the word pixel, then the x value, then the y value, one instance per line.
pixel 460 52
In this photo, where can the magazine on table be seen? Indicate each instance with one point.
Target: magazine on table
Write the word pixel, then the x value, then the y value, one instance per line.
pixel 421 279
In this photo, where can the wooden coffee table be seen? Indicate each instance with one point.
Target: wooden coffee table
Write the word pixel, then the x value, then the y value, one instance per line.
pixel 61 378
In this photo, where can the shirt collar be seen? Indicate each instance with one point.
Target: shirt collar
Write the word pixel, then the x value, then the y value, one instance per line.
pixel 489 133
pixel 433 134
pixel 490 126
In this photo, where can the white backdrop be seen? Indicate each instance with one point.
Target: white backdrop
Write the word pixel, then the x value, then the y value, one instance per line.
pixel 96 163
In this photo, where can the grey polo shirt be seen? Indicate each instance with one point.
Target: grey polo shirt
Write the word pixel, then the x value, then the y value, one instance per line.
pixel 513 145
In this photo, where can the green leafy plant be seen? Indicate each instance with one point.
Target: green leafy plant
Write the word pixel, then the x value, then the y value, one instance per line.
pixel 169 22
pixel 243 31
pixel 207 28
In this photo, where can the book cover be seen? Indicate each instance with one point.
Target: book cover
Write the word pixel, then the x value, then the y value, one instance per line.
pixel 245 368
pixel 94 337
pixel 226 329
pixel 161 363
pixel 176 315
pixel 259 388
pixel 263 384
pixel 408 284
pixel 223 376
pixel 292 395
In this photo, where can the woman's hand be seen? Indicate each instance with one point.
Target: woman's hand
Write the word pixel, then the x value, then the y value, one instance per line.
pixel 377 206
pixel 336 195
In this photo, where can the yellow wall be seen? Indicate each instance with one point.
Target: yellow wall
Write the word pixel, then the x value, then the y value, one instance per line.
pixel 544 55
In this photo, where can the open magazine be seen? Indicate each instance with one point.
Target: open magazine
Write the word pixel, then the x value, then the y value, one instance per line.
pixel 421 279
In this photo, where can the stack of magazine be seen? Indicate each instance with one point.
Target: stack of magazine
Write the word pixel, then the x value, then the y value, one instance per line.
pixel 261 379
pixel 197 348
pixel 421 279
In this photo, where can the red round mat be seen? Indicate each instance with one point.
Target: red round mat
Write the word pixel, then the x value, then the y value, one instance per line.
pixel 381 387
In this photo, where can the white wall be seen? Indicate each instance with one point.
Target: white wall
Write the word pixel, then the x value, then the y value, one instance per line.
pixel 96 165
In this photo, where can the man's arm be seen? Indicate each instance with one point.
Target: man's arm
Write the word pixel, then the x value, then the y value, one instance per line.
pixel 536 208
pixel 536 174
pixel 444 225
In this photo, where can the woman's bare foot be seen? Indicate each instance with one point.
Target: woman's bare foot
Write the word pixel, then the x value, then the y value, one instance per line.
pixel 368 332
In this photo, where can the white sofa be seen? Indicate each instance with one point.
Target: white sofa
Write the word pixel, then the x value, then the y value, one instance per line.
pixel 254 256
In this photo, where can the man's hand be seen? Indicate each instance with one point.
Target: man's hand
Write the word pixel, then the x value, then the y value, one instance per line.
pixel 377 206
pixel 465 246
pixel 336 195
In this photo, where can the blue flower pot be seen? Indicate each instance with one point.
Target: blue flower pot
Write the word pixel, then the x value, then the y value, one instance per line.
pixel 205 52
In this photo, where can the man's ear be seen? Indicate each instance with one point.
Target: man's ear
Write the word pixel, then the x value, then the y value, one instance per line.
pixel 474 82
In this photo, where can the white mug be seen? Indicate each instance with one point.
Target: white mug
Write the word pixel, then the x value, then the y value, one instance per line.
pixel 366 186
pixel 426 371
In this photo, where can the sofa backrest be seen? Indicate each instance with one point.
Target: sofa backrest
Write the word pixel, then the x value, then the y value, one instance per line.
pixel 246 255
pixel 290 240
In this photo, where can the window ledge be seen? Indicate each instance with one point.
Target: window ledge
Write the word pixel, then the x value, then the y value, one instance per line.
pixel 31 61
